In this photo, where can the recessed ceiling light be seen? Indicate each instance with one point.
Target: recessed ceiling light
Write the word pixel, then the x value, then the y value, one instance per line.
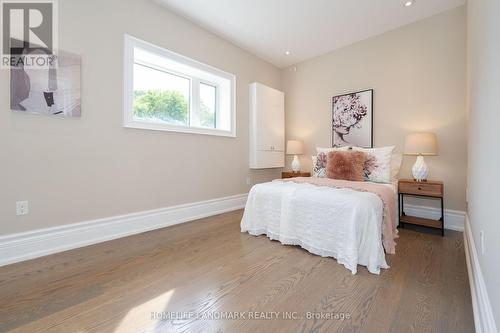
pixel 409 3
pixel 288 52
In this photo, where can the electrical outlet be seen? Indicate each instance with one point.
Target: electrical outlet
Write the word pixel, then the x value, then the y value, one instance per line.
pixel 249 181
pixel 481 241
pixel 22 208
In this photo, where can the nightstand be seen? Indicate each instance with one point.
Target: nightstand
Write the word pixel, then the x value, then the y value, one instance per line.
pixel 428 189
pixel 291 174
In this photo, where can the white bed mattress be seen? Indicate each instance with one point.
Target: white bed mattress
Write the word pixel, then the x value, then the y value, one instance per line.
pixel 341 223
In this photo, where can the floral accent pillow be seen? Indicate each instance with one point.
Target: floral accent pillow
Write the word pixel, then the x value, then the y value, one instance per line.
pixel 319 161
pixel 319 165
pixel 378 163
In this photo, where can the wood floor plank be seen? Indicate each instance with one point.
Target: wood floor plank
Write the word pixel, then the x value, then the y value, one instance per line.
pixel 209 267
pixel 391 288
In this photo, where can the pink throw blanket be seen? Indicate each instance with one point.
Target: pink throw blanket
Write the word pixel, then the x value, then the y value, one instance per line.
pixel 385 193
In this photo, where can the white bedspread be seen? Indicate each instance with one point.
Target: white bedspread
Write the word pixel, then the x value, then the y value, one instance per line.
pixel 340 223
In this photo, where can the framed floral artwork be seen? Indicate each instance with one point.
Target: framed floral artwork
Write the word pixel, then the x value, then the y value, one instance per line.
pixel 352 119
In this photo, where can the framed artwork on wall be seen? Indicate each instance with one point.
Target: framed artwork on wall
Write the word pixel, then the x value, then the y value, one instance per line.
pixel 52 91
pixel 352 119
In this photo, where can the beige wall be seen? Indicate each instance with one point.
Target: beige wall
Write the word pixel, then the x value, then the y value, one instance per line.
pixel 418 75
pixel 483 22
pixel 75 170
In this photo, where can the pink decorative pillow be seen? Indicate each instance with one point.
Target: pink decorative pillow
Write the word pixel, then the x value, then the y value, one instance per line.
pixel 345 165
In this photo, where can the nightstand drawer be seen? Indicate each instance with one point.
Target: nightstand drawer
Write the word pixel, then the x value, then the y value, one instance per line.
pixel 290 174
pixel 434 189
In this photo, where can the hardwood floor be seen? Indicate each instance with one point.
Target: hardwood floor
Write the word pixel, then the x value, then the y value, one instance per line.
pixel 208 267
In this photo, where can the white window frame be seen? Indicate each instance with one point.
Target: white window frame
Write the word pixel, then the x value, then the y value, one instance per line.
pixel 129 122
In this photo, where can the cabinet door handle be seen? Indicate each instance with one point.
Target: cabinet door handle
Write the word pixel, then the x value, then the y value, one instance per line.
pixel 420 188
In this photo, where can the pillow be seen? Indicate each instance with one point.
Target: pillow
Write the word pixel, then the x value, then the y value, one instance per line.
pixel 319 165
pixel 396 161
pixel 345 165
pixel 320 150
pixel 319 161
pixel 378 163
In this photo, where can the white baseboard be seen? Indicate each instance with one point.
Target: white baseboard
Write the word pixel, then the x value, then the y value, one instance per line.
pixel 42 242
pixel 453 219
pixel 483 313
pixel 38 243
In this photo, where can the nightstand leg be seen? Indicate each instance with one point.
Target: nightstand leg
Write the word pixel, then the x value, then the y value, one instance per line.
pixel 442 218
pixel 399 206
pixel 402 210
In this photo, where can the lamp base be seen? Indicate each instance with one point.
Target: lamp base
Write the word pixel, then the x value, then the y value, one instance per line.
pixel 420 170
pixel 295 164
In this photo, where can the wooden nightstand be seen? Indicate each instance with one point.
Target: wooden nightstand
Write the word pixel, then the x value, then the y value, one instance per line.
pixel 429 189
pixel 290 174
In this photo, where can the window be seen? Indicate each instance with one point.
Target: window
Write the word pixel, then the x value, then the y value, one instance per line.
pixel 167 91
pixel 208 105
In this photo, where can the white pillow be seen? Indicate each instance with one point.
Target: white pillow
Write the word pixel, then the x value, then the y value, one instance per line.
pixel 378 163
pixel 327 150
pixel 396 161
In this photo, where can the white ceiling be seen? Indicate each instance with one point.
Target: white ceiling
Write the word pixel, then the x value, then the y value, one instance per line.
pixel 307 28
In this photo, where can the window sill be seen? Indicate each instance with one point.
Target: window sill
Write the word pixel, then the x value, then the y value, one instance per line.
pixel 179 129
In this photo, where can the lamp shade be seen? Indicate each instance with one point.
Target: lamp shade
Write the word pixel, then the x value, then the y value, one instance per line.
pixel 421 144
pixel 294 147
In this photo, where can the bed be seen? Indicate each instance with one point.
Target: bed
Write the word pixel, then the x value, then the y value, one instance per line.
pixel 354 222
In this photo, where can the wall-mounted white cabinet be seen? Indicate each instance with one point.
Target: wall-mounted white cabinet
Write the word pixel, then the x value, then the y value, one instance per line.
pixel 267 127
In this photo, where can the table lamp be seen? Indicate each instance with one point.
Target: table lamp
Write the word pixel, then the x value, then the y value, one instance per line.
pixel 420 145
pixel 295 147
